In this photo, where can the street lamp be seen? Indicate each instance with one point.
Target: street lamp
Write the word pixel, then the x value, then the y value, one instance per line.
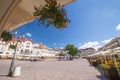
pixel 13 59
pixel 15 33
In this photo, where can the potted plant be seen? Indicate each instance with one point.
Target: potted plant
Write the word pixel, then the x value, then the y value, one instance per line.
pixel 105 69
pixel 113 73
pixel 52 14
pixel 109 71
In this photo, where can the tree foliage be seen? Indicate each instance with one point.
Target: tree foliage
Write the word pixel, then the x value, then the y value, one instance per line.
pixel 52 14
pixel 72 49
pixel 12 47
pixel 6 36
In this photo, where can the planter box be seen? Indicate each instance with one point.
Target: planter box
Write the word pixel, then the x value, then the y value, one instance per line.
pixel 114 74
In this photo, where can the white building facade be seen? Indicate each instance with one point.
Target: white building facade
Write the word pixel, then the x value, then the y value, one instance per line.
pixel 26 48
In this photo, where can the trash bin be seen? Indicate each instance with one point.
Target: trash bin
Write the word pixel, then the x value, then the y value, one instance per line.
pixel 16 72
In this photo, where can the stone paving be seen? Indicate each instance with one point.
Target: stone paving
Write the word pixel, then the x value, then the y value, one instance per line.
pixel 78 69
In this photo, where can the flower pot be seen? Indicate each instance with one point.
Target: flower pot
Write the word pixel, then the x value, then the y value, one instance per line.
pixel 50 20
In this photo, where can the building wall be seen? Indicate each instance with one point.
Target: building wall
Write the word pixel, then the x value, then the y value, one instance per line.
pixel 34 49
pixel 87 51
pixel 27 47
pixel 111 45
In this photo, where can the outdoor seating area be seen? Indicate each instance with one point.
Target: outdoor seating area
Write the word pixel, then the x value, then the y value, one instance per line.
pixel 108 62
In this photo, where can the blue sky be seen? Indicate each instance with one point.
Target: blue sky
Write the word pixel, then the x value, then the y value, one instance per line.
pixel 93 23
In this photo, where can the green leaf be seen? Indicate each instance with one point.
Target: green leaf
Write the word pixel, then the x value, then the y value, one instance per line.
pixel 72 49
pixel 12 46
pixel 49 10
pixel 6 36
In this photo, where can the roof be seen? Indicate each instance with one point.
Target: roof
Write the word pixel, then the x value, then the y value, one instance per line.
pixel 87 49
pixel 113 41
pixel 42 46
pixel 116 39
pixel 24 40
pixel 14 40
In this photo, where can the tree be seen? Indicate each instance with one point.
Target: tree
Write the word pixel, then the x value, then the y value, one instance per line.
pixel 6 36
pixel 12 47
pixel 73 51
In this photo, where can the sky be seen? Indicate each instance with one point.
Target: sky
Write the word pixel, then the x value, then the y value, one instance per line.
pixel 93 24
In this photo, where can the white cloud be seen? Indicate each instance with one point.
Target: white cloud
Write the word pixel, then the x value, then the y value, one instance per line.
pixel 61 47
pixel 106 41
pixel 118 27
pixel 28 34
pixel 94 44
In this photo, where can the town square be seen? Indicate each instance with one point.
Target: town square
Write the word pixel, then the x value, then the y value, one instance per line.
pixel 59 40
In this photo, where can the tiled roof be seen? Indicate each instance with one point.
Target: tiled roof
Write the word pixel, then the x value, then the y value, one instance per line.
pixel 14 40
pixel 42 46
pixel 24 40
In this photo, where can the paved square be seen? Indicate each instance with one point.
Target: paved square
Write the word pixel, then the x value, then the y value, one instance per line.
pixel 52 70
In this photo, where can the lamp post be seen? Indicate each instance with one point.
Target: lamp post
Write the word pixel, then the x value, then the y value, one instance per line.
pixel 13 59
pixel 15 33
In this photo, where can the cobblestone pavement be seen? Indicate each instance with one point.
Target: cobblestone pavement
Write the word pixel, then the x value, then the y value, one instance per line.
pixel 78 69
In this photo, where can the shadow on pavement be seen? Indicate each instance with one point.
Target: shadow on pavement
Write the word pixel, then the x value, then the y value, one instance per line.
pixel 3 75
pixel 101 77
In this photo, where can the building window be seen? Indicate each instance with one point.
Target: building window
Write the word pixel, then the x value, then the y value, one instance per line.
pixel 28 43
pixel 26 50
pixel 22 50
pixel 1 48
pixel 7 53
pixel 1 52
pixel 27 46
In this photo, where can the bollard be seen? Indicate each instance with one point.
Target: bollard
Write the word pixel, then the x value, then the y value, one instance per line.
pixel 16 72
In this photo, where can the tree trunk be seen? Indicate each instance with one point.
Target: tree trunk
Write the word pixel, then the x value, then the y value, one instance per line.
pixel 11 66
pixel 12 63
